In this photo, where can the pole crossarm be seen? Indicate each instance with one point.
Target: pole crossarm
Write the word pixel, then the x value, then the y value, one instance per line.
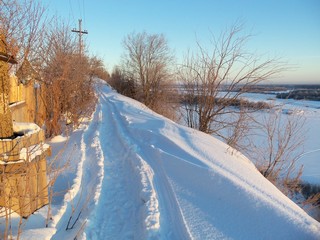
pixel 80 33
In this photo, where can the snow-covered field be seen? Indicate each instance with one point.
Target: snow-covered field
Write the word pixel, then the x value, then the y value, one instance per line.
pixel 136 175
pixel 310 111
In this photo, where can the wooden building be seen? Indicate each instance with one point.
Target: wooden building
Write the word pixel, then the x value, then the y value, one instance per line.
pixel 23 176
pixel 26 96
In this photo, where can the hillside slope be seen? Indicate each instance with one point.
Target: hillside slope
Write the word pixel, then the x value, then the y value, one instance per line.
pixel 138 175
pixel 162 180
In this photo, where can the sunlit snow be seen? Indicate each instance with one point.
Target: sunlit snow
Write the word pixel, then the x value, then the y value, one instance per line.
pixel 137 175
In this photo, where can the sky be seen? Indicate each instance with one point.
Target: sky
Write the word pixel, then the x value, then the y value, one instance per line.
pixel 289 29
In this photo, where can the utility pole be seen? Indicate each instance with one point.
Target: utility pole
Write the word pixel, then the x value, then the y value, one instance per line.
pixel 80 32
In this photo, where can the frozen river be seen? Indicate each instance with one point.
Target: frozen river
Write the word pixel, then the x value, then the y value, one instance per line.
pixel 310 110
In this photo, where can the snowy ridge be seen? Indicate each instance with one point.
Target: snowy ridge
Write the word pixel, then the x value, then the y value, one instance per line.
pixel 148 195
pixel 149 198
pixel 190 179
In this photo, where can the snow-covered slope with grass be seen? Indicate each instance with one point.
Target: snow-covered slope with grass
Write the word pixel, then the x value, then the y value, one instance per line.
pixel 165 181
pixel 138 175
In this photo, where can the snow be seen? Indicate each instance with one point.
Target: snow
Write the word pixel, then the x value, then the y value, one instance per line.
pixel 25 128
pixel 30 153
pixel 310 111
pixel 58 139
pixel 137 175
pixel 307 111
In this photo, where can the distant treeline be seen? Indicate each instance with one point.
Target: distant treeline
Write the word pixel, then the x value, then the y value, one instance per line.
pixel 241 103
pixel 271 88
pixel 310 94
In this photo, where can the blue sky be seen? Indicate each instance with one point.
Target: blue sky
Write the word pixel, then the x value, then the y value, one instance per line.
pixel 283 28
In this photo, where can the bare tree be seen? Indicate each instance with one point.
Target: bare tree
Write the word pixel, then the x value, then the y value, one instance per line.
pixel 22 23
pixel 65 74
pixel 239 130
pixel 147 61
pixel 214 78
pixel 276 157
pixel 97 69
pixel 121 83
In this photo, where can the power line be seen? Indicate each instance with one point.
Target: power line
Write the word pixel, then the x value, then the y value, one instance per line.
pixel 79 7
pixel 84 13
pixel 71 9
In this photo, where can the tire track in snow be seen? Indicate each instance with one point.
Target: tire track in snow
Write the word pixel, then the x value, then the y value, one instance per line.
pixel 159 189
pixel 87 184
pixel 150 214
pixel 118 213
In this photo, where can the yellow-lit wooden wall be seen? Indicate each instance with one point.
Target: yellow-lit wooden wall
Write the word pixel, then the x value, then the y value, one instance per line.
pixel 26 101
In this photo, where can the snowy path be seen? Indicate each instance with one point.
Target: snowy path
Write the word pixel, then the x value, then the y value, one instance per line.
pixel 130 206
pixel 137 175
pixel 86 151
pixel 117 213
pixel 141 176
